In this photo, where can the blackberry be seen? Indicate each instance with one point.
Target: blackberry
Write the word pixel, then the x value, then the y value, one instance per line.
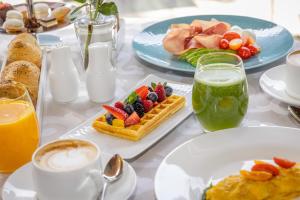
pixel 139 109
pixel 129 109
pixel 139 100
pixel 109 118
pixel 168 90
pixel 152 96
pixel 150 89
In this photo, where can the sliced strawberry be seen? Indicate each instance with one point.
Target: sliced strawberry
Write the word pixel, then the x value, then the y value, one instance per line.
pixel 284 163
pixel 161 93
pixel 142 91
pixel 119 105
pixel 266 167
pixel 148 105
pixel 132 119
pixel 116 112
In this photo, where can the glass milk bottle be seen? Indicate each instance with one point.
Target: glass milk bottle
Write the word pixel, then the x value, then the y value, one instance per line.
pixel 100 74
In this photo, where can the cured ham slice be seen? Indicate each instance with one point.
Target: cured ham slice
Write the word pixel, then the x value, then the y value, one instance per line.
pixel 198 34
pixel 209 41
pixel 219 28
pixel 174 41
pixel 211 27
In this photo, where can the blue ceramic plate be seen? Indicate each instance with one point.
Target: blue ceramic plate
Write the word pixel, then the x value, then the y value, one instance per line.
pixel 275 42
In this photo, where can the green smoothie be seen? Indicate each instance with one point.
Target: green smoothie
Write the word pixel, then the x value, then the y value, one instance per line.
pixel 220 96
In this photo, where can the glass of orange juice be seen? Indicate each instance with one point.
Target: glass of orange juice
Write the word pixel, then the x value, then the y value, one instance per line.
pixel 19 131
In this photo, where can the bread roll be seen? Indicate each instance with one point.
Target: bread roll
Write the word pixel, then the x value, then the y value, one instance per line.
pixel 21 50
pixel 27 37
pixel 23 72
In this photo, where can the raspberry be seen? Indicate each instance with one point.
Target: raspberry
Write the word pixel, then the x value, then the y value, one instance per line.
pixel 161 93
pixel 119 105
pixel 148 105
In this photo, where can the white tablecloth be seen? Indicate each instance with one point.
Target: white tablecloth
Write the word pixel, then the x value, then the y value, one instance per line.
pixel 59 118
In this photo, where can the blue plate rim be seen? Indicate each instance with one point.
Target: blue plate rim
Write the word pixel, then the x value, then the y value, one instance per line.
pixel 191 71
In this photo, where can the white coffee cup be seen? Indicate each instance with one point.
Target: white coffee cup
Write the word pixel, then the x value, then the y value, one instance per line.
pixel 68 169
pixel 292 76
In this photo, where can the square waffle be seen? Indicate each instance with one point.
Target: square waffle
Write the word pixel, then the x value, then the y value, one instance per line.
pixel 148 122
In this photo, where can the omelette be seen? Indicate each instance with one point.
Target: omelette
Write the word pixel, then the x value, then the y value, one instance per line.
pixel 284 186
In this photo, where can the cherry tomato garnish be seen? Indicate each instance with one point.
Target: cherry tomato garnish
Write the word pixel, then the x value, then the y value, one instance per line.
pixel 284 163
pixel 230 35
pixel 244 52
pixel 224 44
pixel 235 44
pixel 266 167
pixel 253 49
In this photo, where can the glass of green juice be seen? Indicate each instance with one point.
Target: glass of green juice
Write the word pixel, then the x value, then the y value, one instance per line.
pixel 220 91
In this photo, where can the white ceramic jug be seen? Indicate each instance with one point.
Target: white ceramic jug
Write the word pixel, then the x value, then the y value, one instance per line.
pixel 100 74
pixel 63 76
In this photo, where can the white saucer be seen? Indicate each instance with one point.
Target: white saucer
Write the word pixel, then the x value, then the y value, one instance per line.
pixel 19 185
pixel 272 82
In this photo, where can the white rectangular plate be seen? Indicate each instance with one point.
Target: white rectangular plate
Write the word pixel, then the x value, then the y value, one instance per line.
pixel 130 149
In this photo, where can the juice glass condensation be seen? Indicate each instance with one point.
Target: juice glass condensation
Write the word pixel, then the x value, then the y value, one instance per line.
pixel 220 91
pixel 19 131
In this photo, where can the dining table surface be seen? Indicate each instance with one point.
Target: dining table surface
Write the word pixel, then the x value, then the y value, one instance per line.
pixel 263 110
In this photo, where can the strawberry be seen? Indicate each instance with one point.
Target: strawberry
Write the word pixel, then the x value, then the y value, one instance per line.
pixel 148 105
pixel 142 91
pixel 119 105
pixel 116 112
pixel 132 119
pixel 161 93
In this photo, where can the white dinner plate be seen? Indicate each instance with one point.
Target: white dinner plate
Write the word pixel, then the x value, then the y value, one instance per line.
pixel 130 149
pixel 19 185
pixel 272 82
pixel 210 157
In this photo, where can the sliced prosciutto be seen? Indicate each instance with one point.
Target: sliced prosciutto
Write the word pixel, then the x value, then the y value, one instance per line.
pixel 198 34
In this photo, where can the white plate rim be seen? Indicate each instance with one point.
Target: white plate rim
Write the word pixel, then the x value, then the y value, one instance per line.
pixel 286 98
pixel 130 169
pixel 157 173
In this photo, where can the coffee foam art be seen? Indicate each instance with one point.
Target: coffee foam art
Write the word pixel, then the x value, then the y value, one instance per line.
pixel 66 155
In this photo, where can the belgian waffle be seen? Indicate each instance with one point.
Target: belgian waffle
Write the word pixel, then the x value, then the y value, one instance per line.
pixel 148 122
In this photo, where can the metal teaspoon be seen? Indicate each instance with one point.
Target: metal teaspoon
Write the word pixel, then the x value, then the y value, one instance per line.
pixel 112 172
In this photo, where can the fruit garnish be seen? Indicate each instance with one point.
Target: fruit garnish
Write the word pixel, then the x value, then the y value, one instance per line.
pixel 109 118
pixel 148 105
pixel 152 96
pixel 131 98
pixel 161 93
pixel 224 44
pixel 119 105
pixel 168 90
pixel 266 167
pixel 230 35
pixel 118 123
pixel 253 49
pixel 235 44
pixel 244 53
pixel 259 162
pixel 132 119
pixel 102 118
pixel 256 175
pixel 153 85
pixel 139 109
pixel 116 112
pixel 150 89
pixel 284 163
pixel 128 108
pixel 155 103
pixel 142 91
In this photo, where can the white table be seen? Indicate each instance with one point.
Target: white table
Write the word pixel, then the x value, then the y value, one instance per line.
pixel 59 118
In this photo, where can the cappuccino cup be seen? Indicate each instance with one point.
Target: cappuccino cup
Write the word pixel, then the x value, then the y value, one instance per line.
pixel 68 169
pixel 292 76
